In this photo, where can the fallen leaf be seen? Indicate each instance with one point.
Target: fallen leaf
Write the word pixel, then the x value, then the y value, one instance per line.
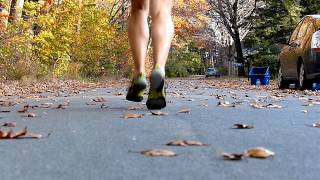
pixel 177 143
pixel 233 156
pixel 135 107
pixel 274 106
pixel 118 94
pixel 7 103
pixel 243 126
pixel 220 97
pixel 158 152
pixel 187 111
pixel 308 105
pixel 61 106
pixel 259 152
pixel 9 124
pixel 31 115
pixel 186 143
pixel 128 115
pixel 225 104
pixel 176 94
pixel 99 99
pixel 257 106
pixel 316 125
pixel 5 111
pixel 20 133
pixel 24 109
pixel 23 133
pixel 46 105
pixel 158 113
pixel 205 104
pixel 91 103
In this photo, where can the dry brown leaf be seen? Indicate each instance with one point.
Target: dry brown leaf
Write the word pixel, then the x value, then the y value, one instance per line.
pixel 46 105
pixel 128 115
pixel 23 133
pixel 308 105
pixel 37 136
pixel 195 143
pixel 274 106
pixel 118 94
pixel 5 111
pixel 99 99
pixel 24 109
pixel 187 111
pixel 205 104
pixel 176 94
pixel 220 97
pixel 91 103
pixel 7 103
pixel 316 125
pixel 61 106
pixel 9 124
pixel 177 143
pixel 304 111
pixel 136 107
pixel 257 106
pixel 233 156
pixel 259 152
pixel 186 143
pixel 20 133
pixel 225 104
pixel 158 113
pixel 31 115
pixel 243 126
pixel 158 152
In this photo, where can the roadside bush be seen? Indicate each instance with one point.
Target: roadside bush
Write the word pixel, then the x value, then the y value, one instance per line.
pixel 268 60
pixel 183 62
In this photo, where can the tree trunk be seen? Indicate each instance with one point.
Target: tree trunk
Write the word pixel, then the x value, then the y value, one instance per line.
pixel 240 58
pixel 16 10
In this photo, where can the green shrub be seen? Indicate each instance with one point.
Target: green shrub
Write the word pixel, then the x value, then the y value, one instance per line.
pixel 184 61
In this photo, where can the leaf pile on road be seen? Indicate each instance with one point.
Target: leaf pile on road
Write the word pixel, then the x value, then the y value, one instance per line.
pixel 30 89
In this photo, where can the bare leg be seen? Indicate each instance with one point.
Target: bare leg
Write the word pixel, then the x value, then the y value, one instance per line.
pixel 139 33
pixel 162 30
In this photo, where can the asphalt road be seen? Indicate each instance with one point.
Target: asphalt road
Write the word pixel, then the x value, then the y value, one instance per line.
pixel 90 142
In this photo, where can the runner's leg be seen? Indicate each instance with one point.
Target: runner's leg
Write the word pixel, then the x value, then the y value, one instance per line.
pixel 139 33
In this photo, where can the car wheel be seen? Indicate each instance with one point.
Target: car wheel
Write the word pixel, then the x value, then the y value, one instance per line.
pixel 282 84
pixel 303 83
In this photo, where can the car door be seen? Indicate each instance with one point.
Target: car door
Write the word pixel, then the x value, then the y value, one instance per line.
pixel 306 48
pixel 296 48
pixel 315 53
pixel 287 54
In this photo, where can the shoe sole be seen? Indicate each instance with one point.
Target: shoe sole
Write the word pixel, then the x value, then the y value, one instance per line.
pixel 156 84
pixel 137 88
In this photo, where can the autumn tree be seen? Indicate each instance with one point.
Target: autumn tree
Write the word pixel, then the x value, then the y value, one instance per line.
pixel 235 15
pixel 275 20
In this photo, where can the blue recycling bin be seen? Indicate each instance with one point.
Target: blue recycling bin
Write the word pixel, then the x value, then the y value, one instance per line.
pixel 260 73
pixel 316 86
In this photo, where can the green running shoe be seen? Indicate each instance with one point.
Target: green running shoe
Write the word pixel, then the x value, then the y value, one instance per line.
pixel 157 94
pixel 138 85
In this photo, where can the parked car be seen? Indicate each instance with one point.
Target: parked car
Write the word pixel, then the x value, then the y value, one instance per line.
pixel 212 72
pixel 300 56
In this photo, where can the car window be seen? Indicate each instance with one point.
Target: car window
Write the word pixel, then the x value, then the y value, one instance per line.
pixel 310 30
pixel 303 29
pixel 295 32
